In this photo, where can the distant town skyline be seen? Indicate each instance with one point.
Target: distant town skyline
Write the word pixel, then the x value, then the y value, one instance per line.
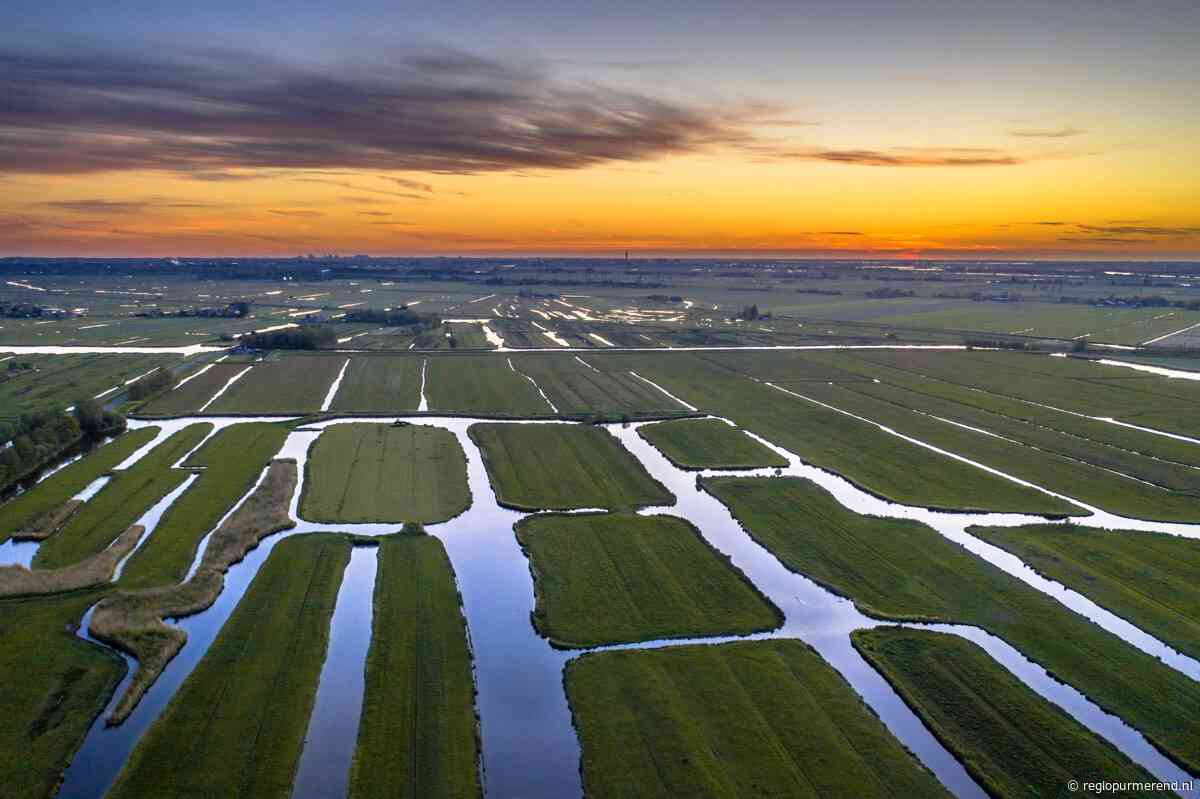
pixel 868 129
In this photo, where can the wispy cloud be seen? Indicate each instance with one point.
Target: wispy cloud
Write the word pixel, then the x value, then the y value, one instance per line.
pixel 903 156
pixel 1140 230
pixel 295 212
pixel 1046 133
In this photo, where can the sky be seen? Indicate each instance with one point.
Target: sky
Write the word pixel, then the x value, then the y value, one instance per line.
pixel 854 129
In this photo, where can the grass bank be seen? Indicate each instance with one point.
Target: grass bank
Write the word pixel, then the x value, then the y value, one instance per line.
pixel 708 444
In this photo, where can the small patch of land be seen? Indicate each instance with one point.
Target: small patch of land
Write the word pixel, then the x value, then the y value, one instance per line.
pixel 1150 579
pixel 379 473
pixel 292 384
pixel 40 511
pixel 1011 740
pixel 709 444
pixel 380 383
pixel 192 395
pixel 579 387
pixel 417 735
pixel 52 685
pixel 564 467
pixel 902 569
pixel 481 384
pixel 92 571
pixel 130 493
pixel 52 382
pixel 237 724
pixel 764 718
pixel 616 578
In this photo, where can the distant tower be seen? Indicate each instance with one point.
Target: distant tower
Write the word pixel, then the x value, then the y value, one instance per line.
pixel 627 255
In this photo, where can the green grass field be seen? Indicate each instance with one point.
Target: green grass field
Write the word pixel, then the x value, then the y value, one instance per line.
pixel 192 395
pixel 878 462
pixel 49 495
pixel 417 734
pixel 901 569
pixel 1012 741
pixel 379 473
pixel 380 383
pixel 232 460
pixel 292 384
pixel 121 502
pixel 52 684
pixel 564 467
pixel 237 724
pixel 616 578
pixel 57 381
pixel 766 718
pixel 481 384
pixel 574 388
pixel 708 444
pixel 1149 579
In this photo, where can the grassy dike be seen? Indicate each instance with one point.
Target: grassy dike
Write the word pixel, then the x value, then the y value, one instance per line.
pixel 121 502
pixel 374 472
pixel 1012 741
pixel 236 726
pixel 52 684
pixel 1150 579
pixel 708 444
pixel 40 511
pixel 901 569
pixel 563 467
pixel 417 735
pixel 615 578
pixel 764 718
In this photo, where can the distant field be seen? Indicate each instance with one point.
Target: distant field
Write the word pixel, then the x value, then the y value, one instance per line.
pixel 192 395
pixel 417 734
pixel 240 718
pixel 294 384
pixel 901 569
pixel 121 502
pixel 233 460
pixel 1010 739
pixel 577 387
pixel 708 444
pixel 52 684
pixel 615 578
pixel 481 384
pixel 378 473
pixel 562 467
pixel 50 494
pixel 57 381
pixel 1149 579
pixel 380 383
pixel 767 718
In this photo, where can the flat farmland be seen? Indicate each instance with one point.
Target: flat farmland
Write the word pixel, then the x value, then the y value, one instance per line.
pixel 903 570
pixel 1153 580
pixel 575 386
pixel 380 383
pixel 380 473
pixel 564 467
pixel 482 384
pixel 240 717
pixel 293 384
pixel 1012 741
pixel 709 444
pixel 417 734
pixel 192 395
pixel 53 382
pixel 616 578
pixel 766 718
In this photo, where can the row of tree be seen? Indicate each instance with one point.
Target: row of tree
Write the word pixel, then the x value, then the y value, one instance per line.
pixel 35 440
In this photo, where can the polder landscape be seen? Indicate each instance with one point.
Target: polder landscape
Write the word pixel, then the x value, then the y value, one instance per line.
pixel 407 527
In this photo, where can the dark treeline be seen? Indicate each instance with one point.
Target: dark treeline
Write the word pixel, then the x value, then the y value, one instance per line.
pixel 395 317
pixel 35 440
pixel 153 384
pixel 307 337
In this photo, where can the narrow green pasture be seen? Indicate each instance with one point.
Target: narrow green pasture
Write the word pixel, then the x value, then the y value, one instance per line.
pixel 708 444
pixel 192 395
pixel 481 384
pixel 384 384
pixel 764 718
pixel 292 384
pixel 579 387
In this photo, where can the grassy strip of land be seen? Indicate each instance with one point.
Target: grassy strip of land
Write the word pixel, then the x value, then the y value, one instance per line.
pixel 292 384
pixel 1012 741
pixel 763 718
pixel 52 685
pixel 192 395
pixel 121 502
pixel 879 462
pixel 56 381
pixel 233 460
pixel 380 383
pixel 95 570
pixel 564 467
pixel 379 473
pixel 481 384
pixel 708 444
pixel 417 735
pixel 133 620
pixel 902 569
pixel 236 726
pixel 574 388
pixel 616 578
pixel 40 511
pixel 1150 579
